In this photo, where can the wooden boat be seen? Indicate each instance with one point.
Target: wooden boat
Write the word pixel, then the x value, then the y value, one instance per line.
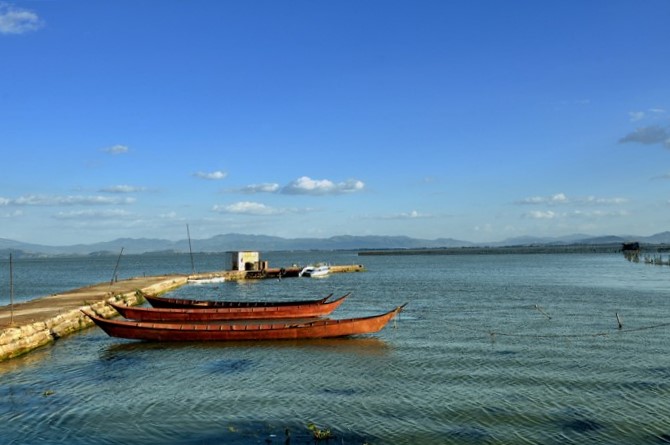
pixel 173 332
pixel 163 302
pixel 229 313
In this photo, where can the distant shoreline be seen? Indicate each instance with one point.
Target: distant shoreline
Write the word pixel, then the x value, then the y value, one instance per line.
pixel 538 249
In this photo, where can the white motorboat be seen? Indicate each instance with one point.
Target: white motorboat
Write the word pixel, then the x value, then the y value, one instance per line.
pixel 212 280
pixel 315 271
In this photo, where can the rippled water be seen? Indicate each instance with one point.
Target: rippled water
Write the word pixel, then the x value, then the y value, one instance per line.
pixel 492 349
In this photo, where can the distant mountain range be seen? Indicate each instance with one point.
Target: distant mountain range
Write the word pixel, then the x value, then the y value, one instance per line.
pixel 262 243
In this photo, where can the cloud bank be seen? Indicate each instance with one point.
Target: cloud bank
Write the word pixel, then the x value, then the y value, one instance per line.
pixel 588 207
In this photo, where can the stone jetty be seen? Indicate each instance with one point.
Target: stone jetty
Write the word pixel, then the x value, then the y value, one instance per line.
pixel 39 322
pixel 29 325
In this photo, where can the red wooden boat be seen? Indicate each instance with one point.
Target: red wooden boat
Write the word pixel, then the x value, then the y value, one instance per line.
pixel 229 313
pixel 326 328
pixel 163 302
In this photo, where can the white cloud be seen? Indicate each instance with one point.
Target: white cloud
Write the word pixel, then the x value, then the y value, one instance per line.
pixel 116 149
pixel 46 200
pixel 14 20
pixel 651 114
pixel 410 215
pixel 123 189
pixel 308 186
pixel 538 214
pixel 351 185
pixel 558 198
pixel 260 188
pixel 602 201
pixel 14 214
pixel 212 176
pixel 598 214
pixel 305 186
pixel 247 208
pixel 93 214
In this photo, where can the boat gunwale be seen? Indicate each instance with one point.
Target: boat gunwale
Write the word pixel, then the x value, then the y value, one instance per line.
pixel 164 302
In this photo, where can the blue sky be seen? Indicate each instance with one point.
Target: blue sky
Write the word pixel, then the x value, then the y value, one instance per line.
pixel 475 120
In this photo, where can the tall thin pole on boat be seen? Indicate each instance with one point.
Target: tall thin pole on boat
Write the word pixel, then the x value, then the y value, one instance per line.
pixel 116 268
pixel 11 290
pixel 188 232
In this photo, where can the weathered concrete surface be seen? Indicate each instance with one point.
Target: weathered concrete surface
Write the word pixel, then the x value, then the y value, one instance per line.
pixel 347 268
pixel 39 322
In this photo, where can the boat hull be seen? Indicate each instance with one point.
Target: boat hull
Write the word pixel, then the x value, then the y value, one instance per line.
pixel 315 272
pixel 162 302
pixel 177 332
pixel 229 313
pixel 201 281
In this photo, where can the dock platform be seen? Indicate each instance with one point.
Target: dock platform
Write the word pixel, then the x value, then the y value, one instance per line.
pixel 36 323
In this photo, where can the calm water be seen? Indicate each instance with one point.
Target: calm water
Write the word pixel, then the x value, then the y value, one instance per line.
pixel 493 349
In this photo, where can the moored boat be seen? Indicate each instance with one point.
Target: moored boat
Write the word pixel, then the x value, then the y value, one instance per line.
pixel 211 280
pixel 164 302
pixel 173 332
pixel 229 313
pixel 315 271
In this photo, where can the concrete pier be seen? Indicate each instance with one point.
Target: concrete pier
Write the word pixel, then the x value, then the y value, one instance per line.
pixel 32 324
pixel 39 322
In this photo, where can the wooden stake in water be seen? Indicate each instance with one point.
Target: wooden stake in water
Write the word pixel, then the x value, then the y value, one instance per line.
pixel 11 290
pixel 539 309
pixel 188 232
pixel 618 320
pixel 116 268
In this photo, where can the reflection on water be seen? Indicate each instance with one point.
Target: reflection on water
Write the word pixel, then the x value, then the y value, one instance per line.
pixel 353 345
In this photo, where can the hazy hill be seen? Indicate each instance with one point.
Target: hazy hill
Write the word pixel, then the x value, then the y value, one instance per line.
pixel 263 243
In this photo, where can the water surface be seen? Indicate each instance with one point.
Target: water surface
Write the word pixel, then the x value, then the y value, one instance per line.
pixel 492 349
